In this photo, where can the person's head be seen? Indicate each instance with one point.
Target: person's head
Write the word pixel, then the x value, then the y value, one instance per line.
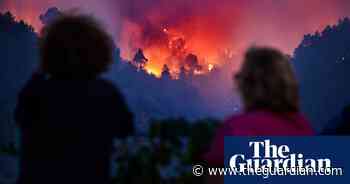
pixel 75 46
pixel 266 81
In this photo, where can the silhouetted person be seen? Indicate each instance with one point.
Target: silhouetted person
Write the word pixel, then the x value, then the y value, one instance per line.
pixel 269 92
pixel 67 115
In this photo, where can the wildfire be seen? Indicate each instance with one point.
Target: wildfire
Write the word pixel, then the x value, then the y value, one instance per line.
pixel 153 71
pixel 196 52
pixel 212 30
pixel 197 39
pixel 210 67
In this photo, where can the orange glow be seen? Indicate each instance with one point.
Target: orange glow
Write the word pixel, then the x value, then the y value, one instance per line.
pixel 204 36
pixel 213 30
pixel 28 15
pixel 210 67
pixel 153 70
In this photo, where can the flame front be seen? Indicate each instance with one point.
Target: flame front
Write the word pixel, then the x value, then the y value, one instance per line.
pixel 212 30
pixel 169 40
pixel 171 49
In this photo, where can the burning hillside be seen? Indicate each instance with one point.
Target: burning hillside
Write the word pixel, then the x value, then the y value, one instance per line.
pixel 196 35
pixel 188 35
pixel 192 35
pixel 176 49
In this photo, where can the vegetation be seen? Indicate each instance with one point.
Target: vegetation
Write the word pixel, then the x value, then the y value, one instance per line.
pixel 166 155
pixel 9 149
pixel 322 63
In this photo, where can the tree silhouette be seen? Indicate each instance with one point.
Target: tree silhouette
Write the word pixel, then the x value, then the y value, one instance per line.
pixel 183 74
pixel 166 72
pixel 139 59
pixel 10 25
pixel 6 19
pixel 322 63
pixel 192 64
pixel 18 53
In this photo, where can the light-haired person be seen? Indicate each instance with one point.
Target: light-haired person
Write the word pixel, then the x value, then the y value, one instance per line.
pixel 269 91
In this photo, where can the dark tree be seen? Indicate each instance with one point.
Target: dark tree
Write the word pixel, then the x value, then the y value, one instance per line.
pixel 192 64
pixel 11 26
pixel 166 72
pixel 116 55
pixel 183 74
pixel 322 63
pixel 139 59
pixel 6 19
pixel 18 52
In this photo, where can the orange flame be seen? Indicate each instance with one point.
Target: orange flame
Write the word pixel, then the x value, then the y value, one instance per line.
pixel 166 40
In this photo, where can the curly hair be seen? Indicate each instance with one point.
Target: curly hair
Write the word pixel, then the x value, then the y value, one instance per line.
pixel 75 46
pixel 267 81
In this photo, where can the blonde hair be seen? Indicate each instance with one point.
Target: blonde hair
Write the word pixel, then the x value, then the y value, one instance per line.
pixel 267 81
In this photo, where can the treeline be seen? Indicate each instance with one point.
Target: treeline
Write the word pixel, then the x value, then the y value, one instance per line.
pixel 18 56
pixel 166 154
pixel 322 63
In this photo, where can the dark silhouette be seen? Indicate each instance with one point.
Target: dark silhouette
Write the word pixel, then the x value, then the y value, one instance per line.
pixel 68 116
pixel 322 63
pixel 166 72
pixel 183 73
pixel 139 59
pixel 18 53
pixel 192 63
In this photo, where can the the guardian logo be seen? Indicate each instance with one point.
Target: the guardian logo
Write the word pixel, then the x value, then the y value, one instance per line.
pixel 267 155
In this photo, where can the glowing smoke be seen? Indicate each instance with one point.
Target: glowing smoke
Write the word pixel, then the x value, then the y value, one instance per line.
pixel 167 31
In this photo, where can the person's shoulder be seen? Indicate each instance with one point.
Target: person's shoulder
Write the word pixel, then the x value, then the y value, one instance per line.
pixel 241 125
pixel 105 83
pixel 36 86
pixel 250 120
pixel 304 125
pixel 105 87
pixel 233 118
pixel 269 123
pixel 246 117
pixel 240 120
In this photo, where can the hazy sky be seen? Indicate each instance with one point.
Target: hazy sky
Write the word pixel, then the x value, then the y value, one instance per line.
pixel 280 23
